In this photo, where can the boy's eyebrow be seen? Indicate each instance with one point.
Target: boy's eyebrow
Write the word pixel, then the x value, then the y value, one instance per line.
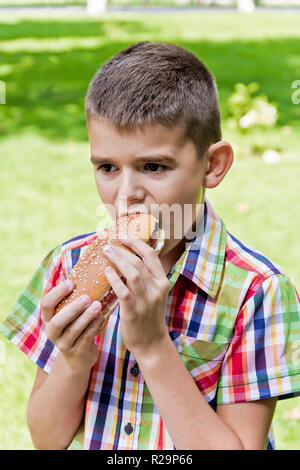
pixel 154 158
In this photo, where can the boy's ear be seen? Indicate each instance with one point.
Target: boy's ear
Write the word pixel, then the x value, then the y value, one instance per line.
pixel 219 158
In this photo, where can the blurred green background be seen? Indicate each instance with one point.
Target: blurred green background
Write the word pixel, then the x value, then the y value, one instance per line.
pixel 46 180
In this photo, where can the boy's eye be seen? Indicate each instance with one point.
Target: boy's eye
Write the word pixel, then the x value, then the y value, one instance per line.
pixel 104 167
pixel 152 167
pixel 155 165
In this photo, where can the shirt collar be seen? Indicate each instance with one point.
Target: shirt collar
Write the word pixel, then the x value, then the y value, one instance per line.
pixel 203 259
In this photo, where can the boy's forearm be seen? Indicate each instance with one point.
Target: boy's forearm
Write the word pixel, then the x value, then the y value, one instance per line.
pixel 190 421
pixel 55 409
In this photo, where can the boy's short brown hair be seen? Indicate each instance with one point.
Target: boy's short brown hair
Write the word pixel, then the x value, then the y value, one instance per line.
pixel 157 83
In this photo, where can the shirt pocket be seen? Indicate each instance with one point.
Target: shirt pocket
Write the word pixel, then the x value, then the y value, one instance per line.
pixel 203 359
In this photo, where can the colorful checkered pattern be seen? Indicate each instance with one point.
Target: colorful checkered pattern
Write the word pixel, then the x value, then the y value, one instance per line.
pixel 233 315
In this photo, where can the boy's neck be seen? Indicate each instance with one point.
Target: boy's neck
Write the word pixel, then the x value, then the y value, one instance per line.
pixel 175 253
pixel 172 256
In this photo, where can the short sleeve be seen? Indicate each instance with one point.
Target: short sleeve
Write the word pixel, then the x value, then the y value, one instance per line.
pixel 263 359
pixel 23 325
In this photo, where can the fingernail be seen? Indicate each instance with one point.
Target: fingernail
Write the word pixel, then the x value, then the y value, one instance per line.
pixel 95 306
pixel 123 235
pixel 108 249
pixel 85 300
pixel 69 285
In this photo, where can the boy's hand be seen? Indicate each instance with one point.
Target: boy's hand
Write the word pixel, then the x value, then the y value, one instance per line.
pixel 143 299
pixel 74 327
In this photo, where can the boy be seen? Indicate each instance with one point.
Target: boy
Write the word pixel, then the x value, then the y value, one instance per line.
pixel 205 337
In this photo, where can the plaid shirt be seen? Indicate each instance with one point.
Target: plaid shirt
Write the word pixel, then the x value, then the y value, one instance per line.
pixel 233 315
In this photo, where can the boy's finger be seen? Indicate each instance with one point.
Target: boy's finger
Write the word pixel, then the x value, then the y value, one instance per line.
pixel 89 333
pixel 80 324
pixel 146 253
pixel 66 316
pixel 52 298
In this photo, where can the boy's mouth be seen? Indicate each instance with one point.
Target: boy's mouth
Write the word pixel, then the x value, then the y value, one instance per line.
pixel 129 213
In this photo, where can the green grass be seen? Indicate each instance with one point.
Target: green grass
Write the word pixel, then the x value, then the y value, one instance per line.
pixel 46 181
pixel 41 2
pixel 285 3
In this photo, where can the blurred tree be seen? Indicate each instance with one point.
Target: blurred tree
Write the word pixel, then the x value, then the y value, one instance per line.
pixel 246 6
pixel 96 7
pixel 212 3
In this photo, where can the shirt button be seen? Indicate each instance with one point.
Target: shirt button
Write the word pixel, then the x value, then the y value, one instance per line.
pixel 134 370
pixel 128 428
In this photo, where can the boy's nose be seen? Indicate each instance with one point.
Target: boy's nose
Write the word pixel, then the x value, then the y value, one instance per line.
pixel 131 196
pixel 131 190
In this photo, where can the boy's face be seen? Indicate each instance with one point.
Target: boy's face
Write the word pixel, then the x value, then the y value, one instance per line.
pixel 128 180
